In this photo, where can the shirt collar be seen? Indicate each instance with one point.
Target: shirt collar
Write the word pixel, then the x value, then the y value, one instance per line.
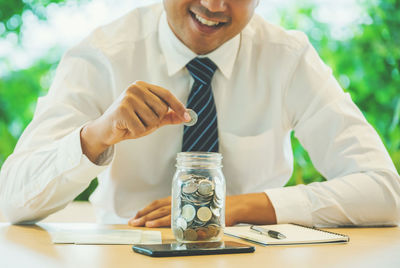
pixel 177 54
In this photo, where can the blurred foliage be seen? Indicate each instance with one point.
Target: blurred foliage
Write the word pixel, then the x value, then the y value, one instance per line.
pixel 84 196
pixel 18 94
pixel 11 12
pixel 367 65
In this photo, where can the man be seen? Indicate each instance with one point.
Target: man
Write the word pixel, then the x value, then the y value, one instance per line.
pixel 119 98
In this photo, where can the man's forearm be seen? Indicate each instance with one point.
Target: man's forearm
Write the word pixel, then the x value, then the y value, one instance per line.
pixel 35 183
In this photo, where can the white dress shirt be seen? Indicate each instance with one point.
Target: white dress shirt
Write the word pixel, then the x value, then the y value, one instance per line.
pixel 269 82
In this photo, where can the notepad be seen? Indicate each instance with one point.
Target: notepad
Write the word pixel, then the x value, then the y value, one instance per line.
pixel 105 237
pixel 295 234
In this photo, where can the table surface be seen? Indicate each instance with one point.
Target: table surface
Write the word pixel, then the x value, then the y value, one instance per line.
pixel 31 246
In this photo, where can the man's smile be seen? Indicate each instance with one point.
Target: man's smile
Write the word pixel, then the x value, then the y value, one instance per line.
pixel 205 24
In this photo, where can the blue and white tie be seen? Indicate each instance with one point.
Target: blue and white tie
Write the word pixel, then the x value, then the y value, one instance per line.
pixel 203 136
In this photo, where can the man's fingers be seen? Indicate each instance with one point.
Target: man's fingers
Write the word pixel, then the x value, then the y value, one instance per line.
pixel 144 112
pixel 133 123
pixel 171 118
pixel 157 105
pixel 154 215
pixel 168 98
pixel 162 222
pixel 137 222
pixel 153 206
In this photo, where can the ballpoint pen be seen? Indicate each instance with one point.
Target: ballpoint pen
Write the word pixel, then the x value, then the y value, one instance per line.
pixel 270 233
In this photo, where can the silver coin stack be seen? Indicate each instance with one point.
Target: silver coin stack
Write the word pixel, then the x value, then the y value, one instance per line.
pixel 198 217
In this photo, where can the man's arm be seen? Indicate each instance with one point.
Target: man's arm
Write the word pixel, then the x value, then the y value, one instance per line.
pixel 363 186
pixel 70 140
pixel 47 168
pixel 139 111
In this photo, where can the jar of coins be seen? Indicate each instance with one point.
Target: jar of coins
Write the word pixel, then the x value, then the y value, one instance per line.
pixel 198 197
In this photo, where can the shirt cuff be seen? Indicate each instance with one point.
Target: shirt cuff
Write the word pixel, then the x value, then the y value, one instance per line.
pixel 72 161
pixel 291 205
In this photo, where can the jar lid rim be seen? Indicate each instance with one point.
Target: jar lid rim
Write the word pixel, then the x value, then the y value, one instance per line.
pixel 200 154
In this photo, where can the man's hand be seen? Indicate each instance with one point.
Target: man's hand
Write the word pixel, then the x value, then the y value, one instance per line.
pixel 157 214
pixel 140 109
pixel 247 208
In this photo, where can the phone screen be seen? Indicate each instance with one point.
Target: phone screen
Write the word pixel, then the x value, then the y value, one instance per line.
pixel 187 249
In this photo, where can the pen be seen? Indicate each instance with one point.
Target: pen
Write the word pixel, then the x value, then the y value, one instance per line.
pixel 270 233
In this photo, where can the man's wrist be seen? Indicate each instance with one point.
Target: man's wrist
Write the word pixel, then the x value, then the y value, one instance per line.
pixel 255 208
pixel 91 143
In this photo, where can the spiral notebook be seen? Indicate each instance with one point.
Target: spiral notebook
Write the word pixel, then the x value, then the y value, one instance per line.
pixel 295 235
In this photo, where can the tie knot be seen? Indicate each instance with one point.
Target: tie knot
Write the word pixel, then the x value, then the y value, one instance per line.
pixel 202 70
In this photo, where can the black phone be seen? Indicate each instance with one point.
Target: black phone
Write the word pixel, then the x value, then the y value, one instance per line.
pixel 188 249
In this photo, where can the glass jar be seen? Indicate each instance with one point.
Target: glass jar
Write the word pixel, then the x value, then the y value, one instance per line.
pixel 198 198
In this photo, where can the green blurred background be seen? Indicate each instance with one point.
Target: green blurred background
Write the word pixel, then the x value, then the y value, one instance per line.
pixel 366 63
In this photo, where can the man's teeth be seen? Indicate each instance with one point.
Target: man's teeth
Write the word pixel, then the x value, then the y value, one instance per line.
pixel 206 22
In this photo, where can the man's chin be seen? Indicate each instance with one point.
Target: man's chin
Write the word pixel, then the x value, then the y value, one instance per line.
pixel 202 47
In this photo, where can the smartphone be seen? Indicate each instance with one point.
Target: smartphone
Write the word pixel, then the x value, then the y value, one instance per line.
pixel 188 249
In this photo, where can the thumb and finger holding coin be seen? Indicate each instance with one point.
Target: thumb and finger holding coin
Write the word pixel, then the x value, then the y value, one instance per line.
pixel 193 118
pixel 154 94
pixel 152 103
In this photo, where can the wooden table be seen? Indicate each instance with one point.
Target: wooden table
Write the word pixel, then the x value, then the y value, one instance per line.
pixel 31 246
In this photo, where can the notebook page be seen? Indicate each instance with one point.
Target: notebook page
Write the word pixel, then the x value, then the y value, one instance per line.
pixel 295 234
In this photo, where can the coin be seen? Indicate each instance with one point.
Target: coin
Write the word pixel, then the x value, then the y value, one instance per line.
pixel 190 188
pixel 216 211
pixel 212 230
pixel 190 235
pixel 219 192
pixel 193 118
pixel 219 229
pixel 201 233
pixel 177 213
pixel 205 187
pixel 186 177
pixel 196 199
pixel 198 223
pixel 204 214
pixel 188 212
pixel 181 223
pixel 217 203
pixel 178 233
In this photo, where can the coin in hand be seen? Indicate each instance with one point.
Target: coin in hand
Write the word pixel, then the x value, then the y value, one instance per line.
pixel 193 118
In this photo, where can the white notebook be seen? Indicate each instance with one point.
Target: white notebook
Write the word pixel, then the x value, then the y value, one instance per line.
pixel 295 234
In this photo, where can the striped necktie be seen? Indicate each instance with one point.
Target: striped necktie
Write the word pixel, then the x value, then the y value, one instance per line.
pixel 203 136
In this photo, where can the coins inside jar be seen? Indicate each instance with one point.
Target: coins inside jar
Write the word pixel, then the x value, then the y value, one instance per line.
pixel 200 206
